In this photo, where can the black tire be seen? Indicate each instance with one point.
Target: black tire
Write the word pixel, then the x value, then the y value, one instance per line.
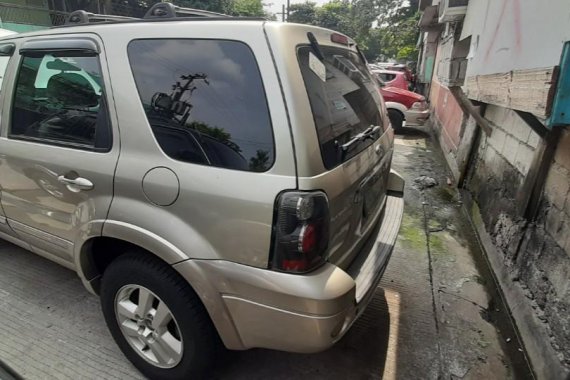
pixel 200 340
pixel 396 119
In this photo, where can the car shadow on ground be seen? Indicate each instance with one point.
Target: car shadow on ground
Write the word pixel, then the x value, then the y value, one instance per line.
pixel 360 354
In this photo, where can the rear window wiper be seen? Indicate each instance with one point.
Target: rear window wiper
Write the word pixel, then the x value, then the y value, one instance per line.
pixel 315 46
pixel 366 134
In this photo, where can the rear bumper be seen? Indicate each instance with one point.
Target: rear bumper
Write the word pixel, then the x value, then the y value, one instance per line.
pixel 416 117
pixel 253 307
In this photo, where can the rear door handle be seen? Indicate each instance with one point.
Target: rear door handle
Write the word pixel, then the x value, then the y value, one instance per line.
pixel 76 184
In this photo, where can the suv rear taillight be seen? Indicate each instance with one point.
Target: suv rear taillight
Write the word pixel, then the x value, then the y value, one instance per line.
pixel 301 231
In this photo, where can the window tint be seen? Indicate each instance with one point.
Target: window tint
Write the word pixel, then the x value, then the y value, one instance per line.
pixel 344 100
pixel 387 77
pixel 59 100
pixel 205 101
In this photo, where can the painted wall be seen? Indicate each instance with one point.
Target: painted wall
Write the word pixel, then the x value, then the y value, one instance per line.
pixel 16 17
pixel 21 28
pixel 448 119
pixel 448 113
pixel 515 34
pixel 429 51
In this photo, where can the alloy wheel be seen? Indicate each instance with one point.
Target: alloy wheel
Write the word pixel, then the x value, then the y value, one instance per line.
pixel 149 326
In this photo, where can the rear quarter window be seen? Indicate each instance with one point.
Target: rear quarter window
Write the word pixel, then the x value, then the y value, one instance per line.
pixel 205 101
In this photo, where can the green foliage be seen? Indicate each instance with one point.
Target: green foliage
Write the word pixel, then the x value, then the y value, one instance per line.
pixel 396 33
pixel 406 53
pixel 220 6
pixel 371 45
pixel 250 8
pixel 303 13
pixel 217 133
pixel 336 15
pixel 260 161
pixel 383 29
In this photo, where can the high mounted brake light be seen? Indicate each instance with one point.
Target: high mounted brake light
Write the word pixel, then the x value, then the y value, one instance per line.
pixel 301 231
pixel 339 39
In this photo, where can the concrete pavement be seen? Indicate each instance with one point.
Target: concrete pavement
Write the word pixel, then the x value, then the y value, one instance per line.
pixel 437 313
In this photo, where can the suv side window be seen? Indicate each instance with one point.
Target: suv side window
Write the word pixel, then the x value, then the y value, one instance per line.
pixel 60 100
pixel 205 101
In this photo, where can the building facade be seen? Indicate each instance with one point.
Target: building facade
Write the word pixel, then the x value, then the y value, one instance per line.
pixel 494 72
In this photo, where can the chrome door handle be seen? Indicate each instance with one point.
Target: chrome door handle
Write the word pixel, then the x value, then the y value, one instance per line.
pixel 76 184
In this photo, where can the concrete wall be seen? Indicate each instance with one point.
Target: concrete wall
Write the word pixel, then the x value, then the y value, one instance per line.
pixel 502 165
pixel 515 34
pixel 536 255
pixel 543 263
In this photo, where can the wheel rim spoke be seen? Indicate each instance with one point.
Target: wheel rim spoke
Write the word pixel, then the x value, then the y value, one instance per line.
pixel 162 317
pixel 130 328
pixel 145 302
pixel 126 309
pixel 166 348
pixel 149 326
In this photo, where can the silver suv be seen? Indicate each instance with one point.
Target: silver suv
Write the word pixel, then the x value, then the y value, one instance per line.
pixel 212 179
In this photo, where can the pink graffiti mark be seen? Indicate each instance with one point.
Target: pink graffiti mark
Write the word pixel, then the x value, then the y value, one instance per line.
pixel 516 6
pixel 517 19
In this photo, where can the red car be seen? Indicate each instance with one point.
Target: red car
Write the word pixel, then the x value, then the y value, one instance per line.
pixel 393 78
pixel 404 107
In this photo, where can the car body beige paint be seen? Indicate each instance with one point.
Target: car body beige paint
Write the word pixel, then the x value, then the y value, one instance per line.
pixel 219 213
pixel 41 211
pixel 217 231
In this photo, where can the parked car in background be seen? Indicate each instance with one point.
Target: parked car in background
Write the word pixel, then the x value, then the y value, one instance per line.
pixel 402 68
pixel 393 78
pixel 394 67
pixel 405 108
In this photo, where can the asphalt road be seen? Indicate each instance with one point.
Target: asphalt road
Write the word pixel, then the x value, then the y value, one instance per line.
pixel 416 327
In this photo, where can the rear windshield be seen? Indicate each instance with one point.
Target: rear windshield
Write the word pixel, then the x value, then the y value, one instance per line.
pixel 344 99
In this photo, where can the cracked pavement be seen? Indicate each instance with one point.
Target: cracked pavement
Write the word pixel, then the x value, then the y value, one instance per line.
pixel 436 315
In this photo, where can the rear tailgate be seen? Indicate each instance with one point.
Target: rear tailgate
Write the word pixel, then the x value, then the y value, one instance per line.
pixel 331 92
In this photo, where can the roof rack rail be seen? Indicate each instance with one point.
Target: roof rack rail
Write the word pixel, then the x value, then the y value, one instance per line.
pixel 83 17
pixel 169 10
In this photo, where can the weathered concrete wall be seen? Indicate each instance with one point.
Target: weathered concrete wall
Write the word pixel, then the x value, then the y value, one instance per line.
pixel 557 194
pixel 543 263
pixel 536 255
pixel 503 162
